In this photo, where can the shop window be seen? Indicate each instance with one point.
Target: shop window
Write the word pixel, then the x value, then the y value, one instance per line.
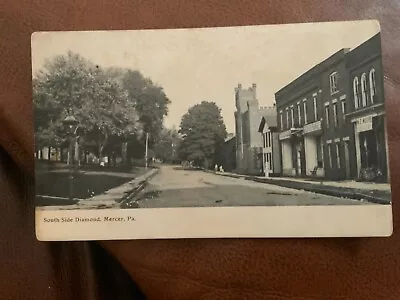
pixel 368 149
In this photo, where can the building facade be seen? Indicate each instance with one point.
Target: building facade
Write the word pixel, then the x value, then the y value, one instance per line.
pixel 331 118
pixel 308 112
pixel 271 158
pixel 366 113
pixel 247 121
pixel 229 154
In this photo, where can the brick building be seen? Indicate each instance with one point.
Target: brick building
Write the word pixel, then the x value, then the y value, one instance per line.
pixel 366 111
pixel 330 125
pixel 247 121
pixel 309 113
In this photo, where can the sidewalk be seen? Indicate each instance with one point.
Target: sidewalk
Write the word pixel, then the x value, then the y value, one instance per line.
pixel 373 192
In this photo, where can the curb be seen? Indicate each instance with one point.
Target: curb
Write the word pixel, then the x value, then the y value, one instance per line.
pixel 126 199
pixel 309 187
pixel 336 192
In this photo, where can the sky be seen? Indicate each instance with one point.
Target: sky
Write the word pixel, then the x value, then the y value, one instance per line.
pixel 206 64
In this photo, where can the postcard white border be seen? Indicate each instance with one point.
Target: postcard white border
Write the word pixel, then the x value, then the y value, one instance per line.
pixel 369 220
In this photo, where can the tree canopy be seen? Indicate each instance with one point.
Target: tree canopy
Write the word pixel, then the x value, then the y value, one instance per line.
pixel 167 146
pixel 203 132
pixel 111 104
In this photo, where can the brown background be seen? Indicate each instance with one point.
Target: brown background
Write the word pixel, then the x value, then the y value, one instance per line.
pixel 358 268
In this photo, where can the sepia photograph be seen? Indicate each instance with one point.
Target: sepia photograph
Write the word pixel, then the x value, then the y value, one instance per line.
pixel 247 131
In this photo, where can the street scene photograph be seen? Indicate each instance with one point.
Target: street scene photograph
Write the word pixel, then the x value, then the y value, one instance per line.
pixel 250 116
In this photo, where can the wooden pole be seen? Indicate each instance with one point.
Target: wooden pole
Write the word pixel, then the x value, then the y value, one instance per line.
pixel 147 150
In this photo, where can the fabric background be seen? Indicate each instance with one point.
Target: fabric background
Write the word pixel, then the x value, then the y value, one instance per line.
pixel 356 268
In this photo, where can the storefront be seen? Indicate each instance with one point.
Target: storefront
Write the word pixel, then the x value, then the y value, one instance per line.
pixel 371 147
pixel 293 154
pixel 313 149
pixel 286 148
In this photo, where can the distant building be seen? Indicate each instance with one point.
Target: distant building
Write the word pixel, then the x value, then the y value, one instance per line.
pixel 271 153
pixel 229 154
pixel 248 139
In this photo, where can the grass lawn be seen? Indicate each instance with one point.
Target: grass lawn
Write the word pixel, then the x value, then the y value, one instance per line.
pixel 85 185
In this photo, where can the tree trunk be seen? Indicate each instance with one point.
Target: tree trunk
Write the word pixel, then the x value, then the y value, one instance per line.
pixel 100 151
pixel 48 153
pixel 124 148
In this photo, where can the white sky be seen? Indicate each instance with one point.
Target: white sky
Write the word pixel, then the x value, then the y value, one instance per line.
pixel 193 65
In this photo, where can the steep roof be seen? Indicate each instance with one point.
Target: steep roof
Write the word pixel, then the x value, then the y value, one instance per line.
pixel 268 120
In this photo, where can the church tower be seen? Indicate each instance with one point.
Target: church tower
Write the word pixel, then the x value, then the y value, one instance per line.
pixel 246 121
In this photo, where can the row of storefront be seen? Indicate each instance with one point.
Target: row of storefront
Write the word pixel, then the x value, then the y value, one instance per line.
pixel 330 121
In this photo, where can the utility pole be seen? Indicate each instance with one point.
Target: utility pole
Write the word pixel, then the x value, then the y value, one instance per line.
pixel 147 149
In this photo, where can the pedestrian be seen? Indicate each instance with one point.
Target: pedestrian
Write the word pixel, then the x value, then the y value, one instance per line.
pixel 221 169
pixel 216 168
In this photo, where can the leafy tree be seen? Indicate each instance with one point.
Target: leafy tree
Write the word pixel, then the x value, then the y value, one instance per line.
pixel 151 102
pixel 203 131
pixel 97 100
pixel 167 146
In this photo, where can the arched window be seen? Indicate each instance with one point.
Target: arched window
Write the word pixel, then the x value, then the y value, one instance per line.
pixel 356 92
pixel 372 84
pixel 364 89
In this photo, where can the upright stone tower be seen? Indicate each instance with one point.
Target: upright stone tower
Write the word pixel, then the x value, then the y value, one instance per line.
pixel 247 121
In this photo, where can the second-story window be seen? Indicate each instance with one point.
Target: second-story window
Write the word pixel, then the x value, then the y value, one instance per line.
pixel 281 119
pixel 364 95
pixel 327 115
pixel 305 110
pixel 292 117
pixel 315 108
pixel 299 113
pixel 356 92
pixel 287 118
pixel 269 139
pixel 372 84
pixel 264 140
pixel 333 83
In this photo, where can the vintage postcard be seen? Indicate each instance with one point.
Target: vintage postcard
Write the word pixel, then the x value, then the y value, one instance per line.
pixel 248 131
